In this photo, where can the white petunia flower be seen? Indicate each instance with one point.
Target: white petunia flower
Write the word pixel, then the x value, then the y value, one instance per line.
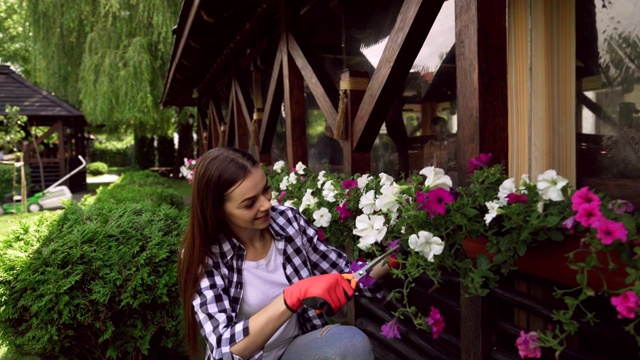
pixel 289 203
pixel 388 200
pixel 385 179
pixel 308 200
pixel 284 183
pixel 322 217
pixel 493 207
pixel 371 230
pixel 279 166
pixel 321 178
pixel 329 192
pixel 436 178
pixel 363 181
pixel 426 244
pixel 507 187
pixel 300 168
pixel 550 185
pixel 274 198
pixel 368 202
pixel 293 179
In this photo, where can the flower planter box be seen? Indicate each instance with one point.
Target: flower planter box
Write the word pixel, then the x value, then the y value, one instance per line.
pixel 549 261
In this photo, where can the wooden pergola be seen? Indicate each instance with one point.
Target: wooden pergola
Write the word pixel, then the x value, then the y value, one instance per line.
pixel 244 63
pixel 64 125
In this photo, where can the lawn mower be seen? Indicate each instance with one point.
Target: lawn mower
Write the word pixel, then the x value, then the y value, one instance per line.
pixel 49 198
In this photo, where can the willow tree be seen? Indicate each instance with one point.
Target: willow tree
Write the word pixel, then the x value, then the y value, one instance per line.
pixel 108 57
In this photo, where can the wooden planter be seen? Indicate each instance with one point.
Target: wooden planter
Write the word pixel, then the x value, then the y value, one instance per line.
pixel 548 261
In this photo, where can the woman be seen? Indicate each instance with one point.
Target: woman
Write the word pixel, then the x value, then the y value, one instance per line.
pixel 248 268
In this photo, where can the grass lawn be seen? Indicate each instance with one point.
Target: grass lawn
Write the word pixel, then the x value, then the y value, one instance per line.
pixel 9 221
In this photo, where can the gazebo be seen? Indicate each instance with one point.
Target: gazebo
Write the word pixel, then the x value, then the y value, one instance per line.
pixel 56 127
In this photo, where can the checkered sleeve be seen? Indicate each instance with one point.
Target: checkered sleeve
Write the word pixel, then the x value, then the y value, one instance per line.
pixel 218 325
pixel 324 258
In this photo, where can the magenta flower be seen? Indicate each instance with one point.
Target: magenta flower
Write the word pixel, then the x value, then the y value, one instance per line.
pixel 391 329
pixel 393 243
pixel 349 184
pixel 626 304
pixel 436 201
pixel 582 197
pixel 621 206
pixel 358 264
pixel 513 198
pixel 321 234
pixel 588 214
pixel 528 345
pixel 343 211
pixel 282 194
pixel 610 231
pixel 436 322
pixel 482 161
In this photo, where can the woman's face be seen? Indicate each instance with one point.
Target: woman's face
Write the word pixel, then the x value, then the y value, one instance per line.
pixel 247 203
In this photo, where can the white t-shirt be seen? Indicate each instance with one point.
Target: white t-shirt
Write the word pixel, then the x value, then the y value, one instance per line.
pixel 264 280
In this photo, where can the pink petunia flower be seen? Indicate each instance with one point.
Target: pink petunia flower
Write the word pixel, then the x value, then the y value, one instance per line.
pixel 588 214
pixel 436 201
pixel 391 329
pixel 482 161
pixel 343 211
pixel 610 231
pixel 321 234
pixel 626 304
pixel 436 321
pixel 621 206
pixel 349 184
pixel 527 345
pixel 583 197
pixel 514 198
pixel 282 194
pixel 358 264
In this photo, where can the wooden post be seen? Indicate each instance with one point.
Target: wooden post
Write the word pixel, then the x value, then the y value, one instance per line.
pixel 355 84
pixel 481 62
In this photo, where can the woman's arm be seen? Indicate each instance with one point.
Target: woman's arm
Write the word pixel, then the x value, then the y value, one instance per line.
pixel 262 326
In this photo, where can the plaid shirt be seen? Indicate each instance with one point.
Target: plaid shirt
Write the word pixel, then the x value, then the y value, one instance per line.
pixel 217 299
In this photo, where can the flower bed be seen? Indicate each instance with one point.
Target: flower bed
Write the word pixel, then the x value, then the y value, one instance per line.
pixel 366 214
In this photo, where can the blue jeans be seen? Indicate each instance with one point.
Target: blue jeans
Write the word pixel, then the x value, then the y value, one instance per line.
pixel 332 342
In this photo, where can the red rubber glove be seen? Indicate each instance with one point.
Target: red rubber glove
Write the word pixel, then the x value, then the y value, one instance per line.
pixel 328 293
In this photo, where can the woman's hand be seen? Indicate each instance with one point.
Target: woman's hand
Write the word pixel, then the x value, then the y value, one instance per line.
pixel 328 293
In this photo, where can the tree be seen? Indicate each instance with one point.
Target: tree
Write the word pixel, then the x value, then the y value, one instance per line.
pixel 12 129
pixel 14 37
pixel 107 57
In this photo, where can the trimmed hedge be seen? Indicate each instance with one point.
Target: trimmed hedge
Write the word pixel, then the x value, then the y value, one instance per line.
pixel 98 279
pixel 114 153
pixel 97 168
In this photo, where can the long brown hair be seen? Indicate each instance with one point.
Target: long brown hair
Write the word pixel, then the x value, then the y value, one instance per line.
pixel 216 172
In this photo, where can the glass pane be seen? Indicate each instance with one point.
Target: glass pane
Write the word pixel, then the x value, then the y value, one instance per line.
pixel 608 120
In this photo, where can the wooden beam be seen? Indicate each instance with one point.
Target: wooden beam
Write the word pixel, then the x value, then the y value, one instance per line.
pixel 320 84
pixel 215 116
pixel 239 119
pixel 272 106
pixel 405 41
pixel 243 100
pixel 230 120
pixel 481 73
pixel 294 103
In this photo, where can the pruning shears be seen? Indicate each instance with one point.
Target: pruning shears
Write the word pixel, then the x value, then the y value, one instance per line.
pixel 354 277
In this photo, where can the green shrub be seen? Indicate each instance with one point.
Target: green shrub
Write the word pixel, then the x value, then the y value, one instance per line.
pixel 98 279
pixel 97 168
pixel 6 180
pixel 112 152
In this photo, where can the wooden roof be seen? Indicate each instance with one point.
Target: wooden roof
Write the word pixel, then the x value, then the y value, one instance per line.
pixel 32 100
pixel 214 38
